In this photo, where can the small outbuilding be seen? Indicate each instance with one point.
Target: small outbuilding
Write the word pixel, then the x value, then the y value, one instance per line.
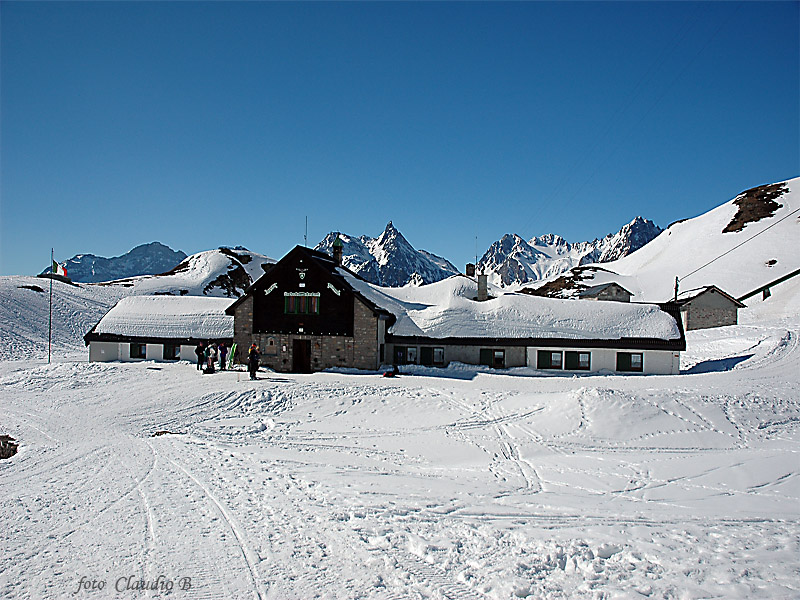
pixel 707 307
pixel 608 291
pixel 159 328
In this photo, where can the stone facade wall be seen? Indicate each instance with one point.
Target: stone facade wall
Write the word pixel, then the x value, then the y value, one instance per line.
pixel 611 293
pixel 615 294
pixel 703 317
pixel 243 329
pixel 710 309
pixel 277 349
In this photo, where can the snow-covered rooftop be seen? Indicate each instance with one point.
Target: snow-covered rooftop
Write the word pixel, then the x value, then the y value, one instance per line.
pixel 448 309
pixel 178 317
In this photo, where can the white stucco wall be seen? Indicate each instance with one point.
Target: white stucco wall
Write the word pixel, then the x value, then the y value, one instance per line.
pixel 654 362
pixel 106 351
pixel 103 351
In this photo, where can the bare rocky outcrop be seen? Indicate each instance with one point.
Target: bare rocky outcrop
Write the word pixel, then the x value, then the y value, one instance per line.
pixel 8 446
pixel 755 204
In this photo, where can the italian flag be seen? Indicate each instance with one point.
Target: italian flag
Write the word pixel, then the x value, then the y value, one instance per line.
pixel 59 270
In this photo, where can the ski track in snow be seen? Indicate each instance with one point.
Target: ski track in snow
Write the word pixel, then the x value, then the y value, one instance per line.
pixel 353 486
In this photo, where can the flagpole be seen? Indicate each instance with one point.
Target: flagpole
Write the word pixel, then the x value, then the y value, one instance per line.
pixel 50 322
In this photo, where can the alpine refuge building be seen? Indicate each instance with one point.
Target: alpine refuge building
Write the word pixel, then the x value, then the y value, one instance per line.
pixel 159 328
pixel 304 316
pixel 308 313
pixel 707 307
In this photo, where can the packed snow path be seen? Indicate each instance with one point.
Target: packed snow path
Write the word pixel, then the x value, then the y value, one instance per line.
pixel 466 485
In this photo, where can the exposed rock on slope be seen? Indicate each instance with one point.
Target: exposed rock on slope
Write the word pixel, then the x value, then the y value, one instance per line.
pixel 756 204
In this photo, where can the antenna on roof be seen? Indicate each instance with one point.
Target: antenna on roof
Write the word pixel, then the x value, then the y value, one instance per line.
pixel 305 235
pixel 476 250
pixel 676 289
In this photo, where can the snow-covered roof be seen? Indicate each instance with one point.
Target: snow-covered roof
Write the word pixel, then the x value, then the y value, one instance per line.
pixel 689 295
pixel 176 317
pixel 447 309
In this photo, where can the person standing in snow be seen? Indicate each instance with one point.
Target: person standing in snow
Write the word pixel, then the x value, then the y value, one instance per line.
pixel 212 356
pixel 253 357
pixel 223 356
pixel 200 352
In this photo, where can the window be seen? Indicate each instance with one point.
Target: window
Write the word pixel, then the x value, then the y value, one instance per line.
pixel 630 361
pixel 438 356
pixel 271 348
pixel 426 356
pixel 405 355
pixel 431 356
pixel 548 359
pixel 172 352
pixel 411 356
pixel 499 361
pixel 301 303
pixel 138 350
pixel 577 361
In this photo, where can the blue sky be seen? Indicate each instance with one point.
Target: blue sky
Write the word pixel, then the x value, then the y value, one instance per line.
pixel 208 124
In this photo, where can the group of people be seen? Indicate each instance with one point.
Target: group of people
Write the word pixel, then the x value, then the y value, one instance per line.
pixel 207 355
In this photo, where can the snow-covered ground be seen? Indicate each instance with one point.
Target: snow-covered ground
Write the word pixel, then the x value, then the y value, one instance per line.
pixel 458 483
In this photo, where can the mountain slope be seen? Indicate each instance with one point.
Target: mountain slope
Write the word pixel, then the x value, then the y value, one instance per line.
pixel 223 272
pixel 146 259
pixel 512 261
pixel 24 301
pixel 738 246
pixel 388 260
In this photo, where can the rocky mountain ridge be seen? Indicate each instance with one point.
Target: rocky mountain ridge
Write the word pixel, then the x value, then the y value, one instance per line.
pixel 388 260
pixel 145 259
pixel 513 261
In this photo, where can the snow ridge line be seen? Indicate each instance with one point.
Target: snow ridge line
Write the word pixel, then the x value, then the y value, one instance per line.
pixel 246 552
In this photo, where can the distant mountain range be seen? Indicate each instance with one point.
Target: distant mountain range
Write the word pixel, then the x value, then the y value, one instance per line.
pixel 147 259
pixel 512 261
pixel 390 260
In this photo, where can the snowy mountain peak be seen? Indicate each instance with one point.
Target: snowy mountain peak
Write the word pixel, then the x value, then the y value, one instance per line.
pixel 512 261
pixel 388 260
pixel 550 239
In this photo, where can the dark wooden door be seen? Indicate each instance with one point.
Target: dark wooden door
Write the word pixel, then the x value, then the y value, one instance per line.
pixel 301 356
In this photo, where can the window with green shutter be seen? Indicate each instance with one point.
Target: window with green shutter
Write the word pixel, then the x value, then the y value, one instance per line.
pixel 630 361
pixel 577 361
pixel 548 359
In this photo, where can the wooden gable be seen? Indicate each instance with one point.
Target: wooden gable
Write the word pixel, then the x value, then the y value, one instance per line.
pixel 301 294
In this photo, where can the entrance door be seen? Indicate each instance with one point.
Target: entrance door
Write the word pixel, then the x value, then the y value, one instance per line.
pixel 301 356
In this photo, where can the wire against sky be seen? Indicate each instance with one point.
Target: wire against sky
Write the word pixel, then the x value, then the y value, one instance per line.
pixel 739 245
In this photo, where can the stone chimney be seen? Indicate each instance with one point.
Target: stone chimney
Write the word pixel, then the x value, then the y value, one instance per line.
pixel 338 246
pixel 470 272
pixel 483 288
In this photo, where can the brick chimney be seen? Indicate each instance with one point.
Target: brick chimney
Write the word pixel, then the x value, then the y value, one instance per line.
pixel 338 246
